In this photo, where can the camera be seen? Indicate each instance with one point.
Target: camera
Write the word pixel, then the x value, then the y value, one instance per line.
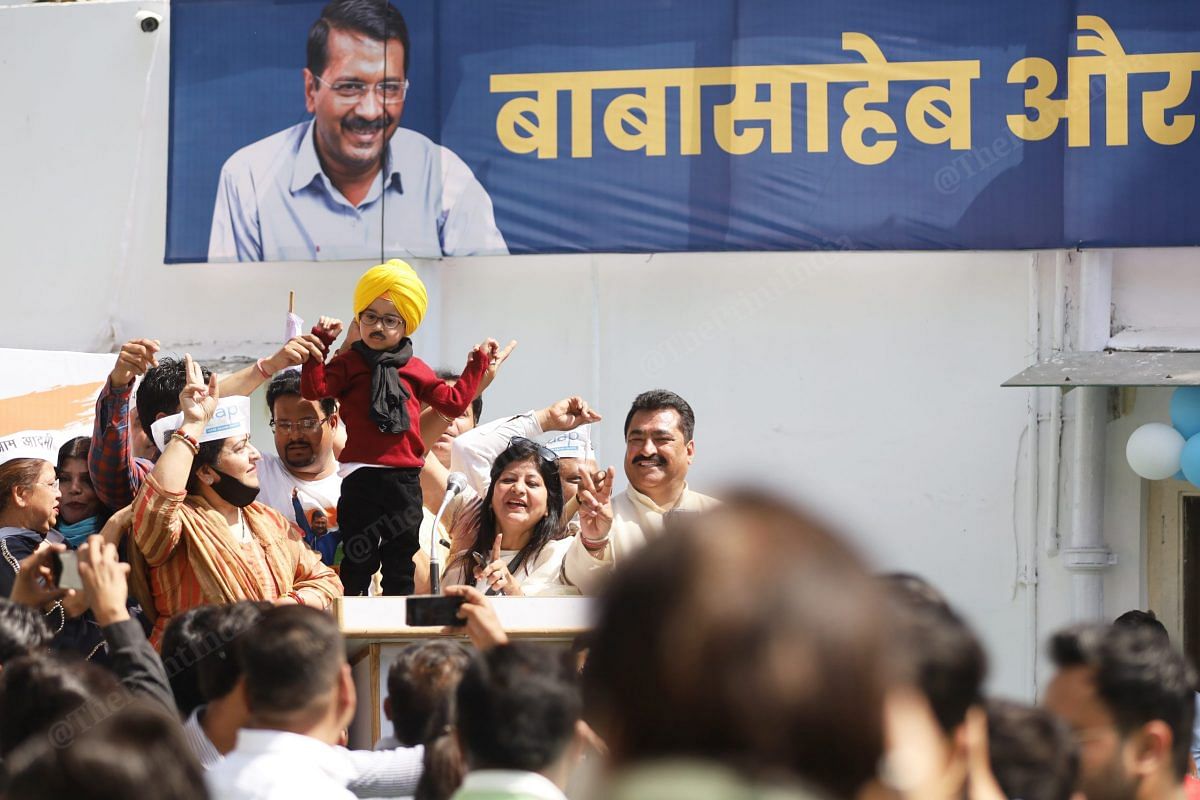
pixel 148 21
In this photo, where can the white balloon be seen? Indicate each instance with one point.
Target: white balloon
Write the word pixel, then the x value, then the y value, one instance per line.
pixel 1153 451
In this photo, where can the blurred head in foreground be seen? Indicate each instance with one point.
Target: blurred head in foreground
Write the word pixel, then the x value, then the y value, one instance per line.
pixel 758 637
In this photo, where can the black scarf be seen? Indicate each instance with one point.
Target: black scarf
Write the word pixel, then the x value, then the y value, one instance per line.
pixel 389 395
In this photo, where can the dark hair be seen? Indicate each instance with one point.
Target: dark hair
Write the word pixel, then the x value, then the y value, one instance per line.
pixel 476 404
pixel 1139 676
pixel 444 767
pixel 1142 619
pixel 158 393
pixel 22 631
pixel 197 651
pixel 517 706
pixel 374 19
pixel 19 473
pixel 547 526
pixel 288 383
pixel 1032 752
pixel 206 456
pixel 420 682
pixel 293 659
pixel 758 641
pixel 186 641
pixel 220 670
pixel 42 693
pixel 936 651
pixel 659 400
pixel 74 448
pixel 136 752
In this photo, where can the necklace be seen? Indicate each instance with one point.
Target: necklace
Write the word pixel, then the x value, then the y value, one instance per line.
pixel 243 534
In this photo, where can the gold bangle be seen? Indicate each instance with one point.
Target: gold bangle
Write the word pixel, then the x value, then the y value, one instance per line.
pixel 191 442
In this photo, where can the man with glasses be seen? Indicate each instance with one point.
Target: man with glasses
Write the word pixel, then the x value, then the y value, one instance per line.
pixel 1127 695
pixel 351 181
pixel 306 432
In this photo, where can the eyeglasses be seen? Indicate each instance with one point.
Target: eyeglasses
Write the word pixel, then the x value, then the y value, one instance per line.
pixel 387 91
pixel 307 425
pixel 543 451
pixel 389 321
pixel 51 485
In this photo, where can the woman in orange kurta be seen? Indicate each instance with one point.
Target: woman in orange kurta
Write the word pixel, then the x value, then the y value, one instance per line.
pixel 198 535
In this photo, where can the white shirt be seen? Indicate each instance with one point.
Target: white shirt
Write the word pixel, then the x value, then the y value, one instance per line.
pixel 275 203
pixel 276 484
pixel 274 765
pixel 490 782
pixel 540 578
pixel 204 750
pixel 473 452
pixel 385 772
pixel 636 519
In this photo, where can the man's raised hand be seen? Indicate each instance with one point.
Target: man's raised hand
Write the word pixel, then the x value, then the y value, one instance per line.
pixel 136 356
pixel 567 415
pixel 34 584
pixel 105 579
pixel 482 624
pixel 297 350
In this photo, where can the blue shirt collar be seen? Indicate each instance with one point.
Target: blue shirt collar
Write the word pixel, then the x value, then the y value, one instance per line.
pixel 307 167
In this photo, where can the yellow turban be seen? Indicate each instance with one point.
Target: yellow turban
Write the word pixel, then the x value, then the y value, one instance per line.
pixel 401 284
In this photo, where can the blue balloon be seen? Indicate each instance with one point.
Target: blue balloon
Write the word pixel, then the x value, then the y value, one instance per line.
pixel 1185 410
pixel 1189 462
pixel 1179 476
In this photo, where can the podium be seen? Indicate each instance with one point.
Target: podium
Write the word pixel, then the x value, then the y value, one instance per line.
pixel 374 630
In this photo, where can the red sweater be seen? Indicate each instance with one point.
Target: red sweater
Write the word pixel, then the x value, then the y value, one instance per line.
pixel 348 378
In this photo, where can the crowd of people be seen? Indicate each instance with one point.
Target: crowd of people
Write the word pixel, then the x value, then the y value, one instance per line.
pixel 741 648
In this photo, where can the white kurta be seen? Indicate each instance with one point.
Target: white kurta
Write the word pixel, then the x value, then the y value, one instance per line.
pixel 636 518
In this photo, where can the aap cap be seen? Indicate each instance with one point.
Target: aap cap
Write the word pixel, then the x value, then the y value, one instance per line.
pixel 29 444
pixel 232 418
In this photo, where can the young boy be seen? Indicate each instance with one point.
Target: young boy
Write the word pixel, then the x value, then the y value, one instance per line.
pixel 381 386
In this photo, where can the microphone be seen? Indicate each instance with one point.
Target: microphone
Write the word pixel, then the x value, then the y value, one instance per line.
pixel 456 483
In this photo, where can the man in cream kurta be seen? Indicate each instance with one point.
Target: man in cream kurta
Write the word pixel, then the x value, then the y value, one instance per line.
pixel 658 451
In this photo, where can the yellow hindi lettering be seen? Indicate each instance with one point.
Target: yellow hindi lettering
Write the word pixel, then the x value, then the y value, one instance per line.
pixel 1037 98
pixel 635 119
pixel 1115 66
pixel 776 112
pixel 861 119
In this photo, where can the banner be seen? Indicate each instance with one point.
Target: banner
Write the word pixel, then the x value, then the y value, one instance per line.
pixel 360 129
pixel 50 391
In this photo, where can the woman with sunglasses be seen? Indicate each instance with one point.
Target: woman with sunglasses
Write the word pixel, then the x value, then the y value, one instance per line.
pixel 504 542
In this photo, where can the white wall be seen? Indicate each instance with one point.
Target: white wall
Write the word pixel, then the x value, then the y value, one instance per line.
pixel 867 384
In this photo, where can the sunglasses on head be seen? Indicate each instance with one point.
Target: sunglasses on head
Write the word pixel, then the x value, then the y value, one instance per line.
pixel 543 451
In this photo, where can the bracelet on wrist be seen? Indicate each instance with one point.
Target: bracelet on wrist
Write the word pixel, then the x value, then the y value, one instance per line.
pixel 593 544
pixel 191 441
pixel 296 596
pixel 262 370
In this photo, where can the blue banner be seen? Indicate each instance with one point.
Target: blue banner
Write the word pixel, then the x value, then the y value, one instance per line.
pixel 358 129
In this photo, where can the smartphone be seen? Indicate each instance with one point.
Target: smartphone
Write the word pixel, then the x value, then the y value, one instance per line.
pixel 68 577
pixel 432 610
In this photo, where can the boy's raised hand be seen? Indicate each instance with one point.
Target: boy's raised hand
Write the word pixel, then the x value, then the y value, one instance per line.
pixel 328 328
pixel 496 358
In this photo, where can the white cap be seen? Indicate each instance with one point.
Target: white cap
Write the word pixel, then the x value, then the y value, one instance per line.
pixel 572 444
pixel 232 418
pixel 29 444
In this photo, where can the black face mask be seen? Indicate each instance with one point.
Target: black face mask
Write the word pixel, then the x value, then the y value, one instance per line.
pixel 233 491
